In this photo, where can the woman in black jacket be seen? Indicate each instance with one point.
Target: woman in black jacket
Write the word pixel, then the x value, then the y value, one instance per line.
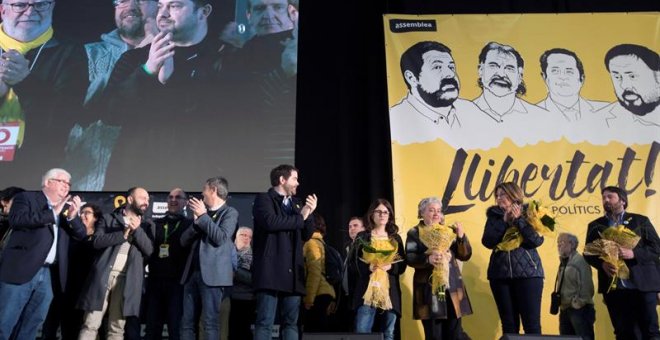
pixel 515 275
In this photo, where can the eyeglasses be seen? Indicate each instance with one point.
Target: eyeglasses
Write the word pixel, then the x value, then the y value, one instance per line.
pixel 63 181
pixel 381 212
pixel 20 7
pixel 126 3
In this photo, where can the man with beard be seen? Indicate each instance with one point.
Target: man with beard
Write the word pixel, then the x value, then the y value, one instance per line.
pixel 282 224
pixel 162 93
pixel 501 79
pixel 89 148
pixel 432 108
pixel 631 302
pixel 635 72
pixel 115 282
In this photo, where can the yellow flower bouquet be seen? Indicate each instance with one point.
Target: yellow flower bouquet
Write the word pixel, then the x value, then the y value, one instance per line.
pixel 538 216
pixel 379 252
pixel 438 238
pixel 607 249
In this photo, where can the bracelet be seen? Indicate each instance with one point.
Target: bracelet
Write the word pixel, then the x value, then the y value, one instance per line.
pixel 144 68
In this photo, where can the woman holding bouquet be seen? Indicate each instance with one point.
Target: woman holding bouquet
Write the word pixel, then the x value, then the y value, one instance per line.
pixel 439 295
pixel 514 271
pixel 379 264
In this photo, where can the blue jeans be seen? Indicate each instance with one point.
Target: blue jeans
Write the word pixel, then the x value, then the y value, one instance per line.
pixel 203 302
pixel 365 317
pixel 266 309
pixel 25 305
pixel 578 322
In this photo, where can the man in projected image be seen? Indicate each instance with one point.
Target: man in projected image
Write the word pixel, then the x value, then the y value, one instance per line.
pixel 163 96
pixel 135 22
pixel 432 108
pixel 563 74
pixel 501 79
pixel 635 72
pixel 42 86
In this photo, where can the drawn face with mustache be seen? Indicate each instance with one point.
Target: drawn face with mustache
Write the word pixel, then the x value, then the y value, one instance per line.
pixel 500 73
pixel 637 87
pixel 437 83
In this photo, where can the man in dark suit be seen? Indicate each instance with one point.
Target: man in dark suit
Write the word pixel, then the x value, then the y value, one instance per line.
pixel 209 272
pixel 41 224
pixel 281 227
pixel 632 303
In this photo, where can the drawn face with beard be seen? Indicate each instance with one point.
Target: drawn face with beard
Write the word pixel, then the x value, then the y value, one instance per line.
pixel 500 73
pixel 637 87
pixel 129 20
pixel 437 83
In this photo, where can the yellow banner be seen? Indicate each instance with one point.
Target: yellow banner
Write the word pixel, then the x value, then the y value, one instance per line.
pixel 563 105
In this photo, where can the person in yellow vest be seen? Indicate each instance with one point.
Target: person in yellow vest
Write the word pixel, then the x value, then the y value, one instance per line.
pixel 42 86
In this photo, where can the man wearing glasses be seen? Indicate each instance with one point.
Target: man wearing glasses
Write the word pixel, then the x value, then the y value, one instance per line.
pixel 41 223
pixel 41 86
pixel 164 293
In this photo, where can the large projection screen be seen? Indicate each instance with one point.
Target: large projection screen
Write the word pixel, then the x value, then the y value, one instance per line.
pixel 228 108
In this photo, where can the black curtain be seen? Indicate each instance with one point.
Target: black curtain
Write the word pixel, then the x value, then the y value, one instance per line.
pixel 342 133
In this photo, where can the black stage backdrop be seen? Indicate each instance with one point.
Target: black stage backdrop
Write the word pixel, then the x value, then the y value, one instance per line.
pixel 342 133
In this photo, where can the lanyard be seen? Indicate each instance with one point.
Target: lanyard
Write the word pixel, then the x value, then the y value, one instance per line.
pixel 167 234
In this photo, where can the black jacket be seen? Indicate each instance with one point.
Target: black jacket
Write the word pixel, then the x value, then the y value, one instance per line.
pixel 51 98
pixel 108 237
pixel 278 240
pixel 522 262
pixel 644 268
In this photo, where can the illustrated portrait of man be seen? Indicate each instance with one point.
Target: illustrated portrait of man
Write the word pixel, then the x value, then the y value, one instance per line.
pixel 563 74
pixel 501 80
pixel 635 73
pixel 432 108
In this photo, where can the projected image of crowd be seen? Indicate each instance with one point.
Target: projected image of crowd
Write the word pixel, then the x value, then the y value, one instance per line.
pixel 195 273
pixel 165 78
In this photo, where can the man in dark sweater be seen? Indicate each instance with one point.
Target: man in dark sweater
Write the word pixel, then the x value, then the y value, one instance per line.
pixel 164 292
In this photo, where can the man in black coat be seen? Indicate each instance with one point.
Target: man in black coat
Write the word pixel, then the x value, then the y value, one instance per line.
pixel 631 304
pixel 41 223
pixel 281 226
pixel 115 282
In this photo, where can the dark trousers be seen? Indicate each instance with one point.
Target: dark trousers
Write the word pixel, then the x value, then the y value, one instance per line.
pixel 241 319
pixel 317 319
pixel 633 314
pixel 516 300
pixel 448 329
pixel 578 322
pixel 164 306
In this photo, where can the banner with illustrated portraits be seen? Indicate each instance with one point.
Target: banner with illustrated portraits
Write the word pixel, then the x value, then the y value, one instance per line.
pixel 563 105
